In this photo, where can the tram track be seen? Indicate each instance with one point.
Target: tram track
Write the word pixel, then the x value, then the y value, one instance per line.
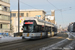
pixel 28 45
pixel 12 42
pixel 37 46
pixel 32 44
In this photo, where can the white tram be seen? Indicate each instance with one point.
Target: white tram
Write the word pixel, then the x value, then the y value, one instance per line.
pixel 36 28
pixel 71 27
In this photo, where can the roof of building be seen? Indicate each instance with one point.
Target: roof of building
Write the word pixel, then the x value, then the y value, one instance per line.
pixel 30 10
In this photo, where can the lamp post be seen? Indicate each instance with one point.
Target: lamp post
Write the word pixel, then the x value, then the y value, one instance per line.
pixel 18 18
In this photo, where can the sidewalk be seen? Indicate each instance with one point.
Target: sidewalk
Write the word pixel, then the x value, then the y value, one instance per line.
pixel 7 39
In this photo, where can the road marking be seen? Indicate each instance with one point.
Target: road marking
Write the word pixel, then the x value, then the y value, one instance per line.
pixel 69 39
pixel 58 37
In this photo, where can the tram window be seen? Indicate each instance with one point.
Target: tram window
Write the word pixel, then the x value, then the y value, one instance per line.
pixel 42 29
pixel 53 29
pixel 28 28
pixel 49 29
pixel 39 28
pixel 46 28
pixel 24 28
pixel 36 28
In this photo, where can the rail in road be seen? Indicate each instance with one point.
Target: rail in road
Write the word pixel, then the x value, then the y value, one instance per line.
pixel 34 44
pixel 12 42
pixel 66 44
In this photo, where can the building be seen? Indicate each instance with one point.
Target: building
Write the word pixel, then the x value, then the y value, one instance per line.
pixel 51 18
pixel 4 16
pixel 29 13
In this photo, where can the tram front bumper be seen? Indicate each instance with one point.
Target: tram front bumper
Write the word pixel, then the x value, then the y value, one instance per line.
pixel 33 37
pixel 27 37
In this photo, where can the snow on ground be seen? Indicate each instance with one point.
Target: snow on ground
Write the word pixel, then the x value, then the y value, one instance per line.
pixel 71 34
pixel 7 39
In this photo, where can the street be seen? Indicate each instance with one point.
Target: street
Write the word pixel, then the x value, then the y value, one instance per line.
pixel 35 44
pixel 37 25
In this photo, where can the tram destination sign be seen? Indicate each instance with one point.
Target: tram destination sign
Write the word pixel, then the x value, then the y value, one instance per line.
pixel 28 22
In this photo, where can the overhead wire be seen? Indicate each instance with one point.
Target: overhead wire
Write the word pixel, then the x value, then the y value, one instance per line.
pixel 52 4
pixel 27 4
pixel 57 9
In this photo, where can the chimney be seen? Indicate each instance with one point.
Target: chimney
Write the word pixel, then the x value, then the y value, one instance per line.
pixel 52 13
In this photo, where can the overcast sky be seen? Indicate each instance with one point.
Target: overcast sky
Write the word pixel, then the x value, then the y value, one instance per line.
pixel 67 6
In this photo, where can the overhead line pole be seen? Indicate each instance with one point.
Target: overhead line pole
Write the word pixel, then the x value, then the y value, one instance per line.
pixel 18 17
pixel 44 21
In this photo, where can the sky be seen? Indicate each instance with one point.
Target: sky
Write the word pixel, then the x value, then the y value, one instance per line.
pixel 63 18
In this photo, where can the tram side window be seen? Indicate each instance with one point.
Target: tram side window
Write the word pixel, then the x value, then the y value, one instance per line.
pixel 39 28
pixel 46 28
pixel 42 29
pixel 49 29
pixel 53 29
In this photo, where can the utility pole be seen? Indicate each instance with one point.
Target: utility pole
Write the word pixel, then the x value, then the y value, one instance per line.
pixel 18 18
pixel 44 24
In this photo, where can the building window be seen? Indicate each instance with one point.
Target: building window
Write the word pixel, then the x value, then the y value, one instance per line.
pixel 0 26
pixel 0 16
pixel 27 14
pixel 4 17
pixel 0 7
pixel 4 8
pixel 22 14
pixel 4 26
pixel 13 14
pixel 8 9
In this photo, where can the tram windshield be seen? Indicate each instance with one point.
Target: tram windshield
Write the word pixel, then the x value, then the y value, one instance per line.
pixel 28 28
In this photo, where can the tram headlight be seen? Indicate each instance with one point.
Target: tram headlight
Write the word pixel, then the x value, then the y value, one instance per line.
pixel 23 34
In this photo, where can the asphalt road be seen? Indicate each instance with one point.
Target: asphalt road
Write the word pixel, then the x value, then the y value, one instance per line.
pixel 33 44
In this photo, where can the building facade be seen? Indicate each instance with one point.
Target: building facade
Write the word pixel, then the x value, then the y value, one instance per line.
pixel 29 13
pixel 51 18
pixel 4 16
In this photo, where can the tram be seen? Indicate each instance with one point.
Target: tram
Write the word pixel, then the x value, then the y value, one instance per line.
pixel 71 27
pixel 36 28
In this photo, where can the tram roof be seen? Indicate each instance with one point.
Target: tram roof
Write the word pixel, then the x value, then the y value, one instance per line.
pixel 40 22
